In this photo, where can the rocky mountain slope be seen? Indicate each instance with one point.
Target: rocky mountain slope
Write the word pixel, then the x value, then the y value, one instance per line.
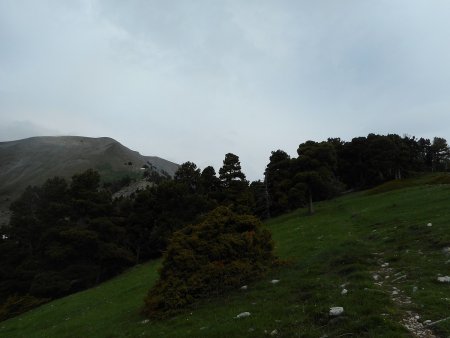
pixel 33 160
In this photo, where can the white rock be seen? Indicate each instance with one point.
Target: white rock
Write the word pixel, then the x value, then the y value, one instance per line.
pixel 243 315
pixel 376 277
pixel 245 287
pixel 415 289
pixel 274 333
pixel 427 322
pixel 336 310
pixel 275 281
pixel 344 291
pixel 429 225
pixel 394 293
pixel 145 321
pixel 384 265
pixel 445 279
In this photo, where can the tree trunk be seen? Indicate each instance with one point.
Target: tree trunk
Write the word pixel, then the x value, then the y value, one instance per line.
pixel 99 274
pixel 267 199
pixel 310 205
pixel 138 252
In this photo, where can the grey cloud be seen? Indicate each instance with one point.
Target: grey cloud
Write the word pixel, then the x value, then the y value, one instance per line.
pixel 193 80
pixel 13 130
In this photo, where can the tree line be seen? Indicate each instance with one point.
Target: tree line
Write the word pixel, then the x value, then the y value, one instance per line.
pixel 68 236
pixel 324 169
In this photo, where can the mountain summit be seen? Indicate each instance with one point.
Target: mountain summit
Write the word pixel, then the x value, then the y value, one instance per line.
pixel 33 160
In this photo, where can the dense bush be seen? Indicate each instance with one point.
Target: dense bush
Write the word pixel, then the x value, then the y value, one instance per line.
pixel 15 305
pixel 223 252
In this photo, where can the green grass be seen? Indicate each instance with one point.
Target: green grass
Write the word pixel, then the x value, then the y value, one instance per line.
pixel 341 244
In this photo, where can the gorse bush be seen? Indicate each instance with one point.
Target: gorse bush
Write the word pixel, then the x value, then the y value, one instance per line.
pixel 223 252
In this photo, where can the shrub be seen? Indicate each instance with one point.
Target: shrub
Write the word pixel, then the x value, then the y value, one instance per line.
pixel 49 284
pixel 223 252
pixel 15 305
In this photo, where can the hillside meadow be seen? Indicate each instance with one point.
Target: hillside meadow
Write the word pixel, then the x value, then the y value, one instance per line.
pixel 385 246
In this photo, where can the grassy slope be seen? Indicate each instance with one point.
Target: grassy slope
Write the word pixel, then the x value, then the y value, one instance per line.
pixel 335 246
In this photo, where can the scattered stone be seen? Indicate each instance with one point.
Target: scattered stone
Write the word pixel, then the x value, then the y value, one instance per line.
pixel 203 328
pixel 376 277
pixel 394 292
pixel 445 279
pixel 251 329
pixel 386 277
pixel 275 281
pixel 398 278
pixel 417 328
pixel 274 333
pixel 336 310
pixel 344 291
pixel 415 289
pixel 438 321
pixel 245 287
pixel 384 265
pixel 429 225
pixel 145 321
pixel 243 315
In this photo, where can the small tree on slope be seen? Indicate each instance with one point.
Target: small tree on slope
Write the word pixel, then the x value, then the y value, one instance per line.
pixel 223 252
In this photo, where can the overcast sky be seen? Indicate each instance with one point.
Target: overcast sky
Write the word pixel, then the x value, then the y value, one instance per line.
pixel 193 80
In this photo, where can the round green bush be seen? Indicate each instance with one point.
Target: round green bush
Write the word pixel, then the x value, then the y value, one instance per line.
pixel 223 252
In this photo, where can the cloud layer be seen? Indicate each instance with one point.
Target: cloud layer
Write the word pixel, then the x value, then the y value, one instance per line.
pixel 195 80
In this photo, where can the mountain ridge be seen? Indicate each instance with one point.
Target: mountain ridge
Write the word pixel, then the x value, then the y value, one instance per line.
pixel 33 160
